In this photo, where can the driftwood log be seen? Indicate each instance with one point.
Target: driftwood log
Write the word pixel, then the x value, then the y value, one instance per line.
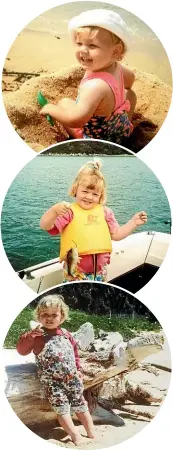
pixel 26 397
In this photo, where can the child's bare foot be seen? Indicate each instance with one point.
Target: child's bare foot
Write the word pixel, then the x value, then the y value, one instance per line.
pixel 77 439
pixel 91 434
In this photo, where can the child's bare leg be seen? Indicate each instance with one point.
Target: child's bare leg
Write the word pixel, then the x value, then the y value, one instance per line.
pixel 67 424
pixel 76 133
pixel 86 419
pixel 70 131
pixel 131 96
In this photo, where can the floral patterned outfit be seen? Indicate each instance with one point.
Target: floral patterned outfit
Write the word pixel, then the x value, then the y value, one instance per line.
pixel 56 358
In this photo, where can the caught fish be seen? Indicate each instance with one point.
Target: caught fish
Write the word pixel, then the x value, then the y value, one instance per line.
pixel 72 260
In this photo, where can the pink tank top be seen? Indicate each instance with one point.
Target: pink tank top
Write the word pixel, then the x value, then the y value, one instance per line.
pixel 121 104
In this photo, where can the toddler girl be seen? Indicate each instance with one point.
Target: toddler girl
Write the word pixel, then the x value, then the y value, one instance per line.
pixel 87 225
pixel 58 365
pixel 103 109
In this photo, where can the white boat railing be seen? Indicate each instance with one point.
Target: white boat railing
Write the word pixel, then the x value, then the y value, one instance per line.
pixel 127 254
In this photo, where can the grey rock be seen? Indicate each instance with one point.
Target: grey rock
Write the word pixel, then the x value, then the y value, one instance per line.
pixel 107 342
pixel 101 414
pixel 84 336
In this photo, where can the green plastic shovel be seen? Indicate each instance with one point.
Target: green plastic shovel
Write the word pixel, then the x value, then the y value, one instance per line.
pixel 42 101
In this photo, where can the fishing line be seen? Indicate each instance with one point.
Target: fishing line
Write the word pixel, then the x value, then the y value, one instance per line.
pixel 41 280
pixel 149 247
pixel 169 221
pixel 94 258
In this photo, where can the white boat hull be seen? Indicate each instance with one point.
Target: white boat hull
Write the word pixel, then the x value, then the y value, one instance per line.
pixel 130 253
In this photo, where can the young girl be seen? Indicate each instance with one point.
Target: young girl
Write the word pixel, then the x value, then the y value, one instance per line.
pixel 88 226
pixel 58 365
pixel 103 109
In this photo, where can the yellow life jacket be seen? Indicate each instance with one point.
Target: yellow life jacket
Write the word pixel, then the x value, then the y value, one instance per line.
pixel 89 230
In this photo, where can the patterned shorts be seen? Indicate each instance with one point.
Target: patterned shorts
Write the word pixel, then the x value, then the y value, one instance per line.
pixel 115 128
pixel 65 396
pixel 100 276
pixel 58 375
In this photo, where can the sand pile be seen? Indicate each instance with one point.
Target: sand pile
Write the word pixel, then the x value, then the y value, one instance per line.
pixel 153 102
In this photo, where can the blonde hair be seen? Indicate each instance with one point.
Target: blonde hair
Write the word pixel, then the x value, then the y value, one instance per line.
pixel 92 30
pixel 90 175
pixel 52 300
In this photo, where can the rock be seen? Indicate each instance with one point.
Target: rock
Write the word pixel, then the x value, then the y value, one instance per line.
pixel 161 360
pixel 102 334
pixel 146 386
pixel 141 394
pixel 141 346
pixel 84 336
pixel 107 341
pixel 111 390
pixel 101 415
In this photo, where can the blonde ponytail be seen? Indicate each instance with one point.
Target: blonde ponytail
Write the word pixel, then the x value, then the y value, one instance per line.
pixel 92 170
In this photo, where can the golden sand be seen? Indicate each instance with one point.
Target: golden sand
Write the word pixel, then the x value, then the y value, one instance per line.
pixel 153 101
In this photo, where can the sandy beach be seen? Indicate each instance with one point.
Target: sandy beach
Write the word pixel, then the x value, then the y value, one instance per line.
pixel 42 52
pixel 23 110
pixel 44 46
pixel 107 431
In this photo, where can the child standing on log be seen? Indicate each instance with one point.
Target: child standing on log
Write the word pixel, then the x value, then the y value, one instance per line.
pixel 87 226
pixel 58 365
pixel 105 102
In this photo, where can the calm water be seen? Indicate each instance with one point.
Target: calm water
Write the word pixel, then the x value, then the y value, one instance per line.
pixel 147 52
pixel 45 180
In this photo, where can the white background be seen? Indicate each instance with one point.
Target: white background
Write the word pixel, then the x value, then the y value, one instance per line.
pixel 157 295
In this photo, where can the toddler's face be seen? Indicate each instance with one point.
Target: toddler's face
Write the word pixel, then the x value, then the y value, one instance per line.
pixel 50 317
pixel 94 51
pixel 86 197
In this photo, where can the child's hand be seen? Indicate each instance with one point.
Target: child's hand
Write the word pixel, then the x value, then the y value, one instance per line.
pixel 66 102
pixel 47 109
pixel 140 218
pixel 37 332
pixel 61 208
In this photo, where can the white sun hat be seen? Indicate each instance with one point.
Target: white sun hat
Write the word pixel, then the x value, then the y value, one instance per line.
pixel 103 18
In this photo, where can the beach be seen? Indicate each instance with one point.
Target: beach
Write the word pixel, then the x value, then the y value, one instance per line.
pixel 42 56
pixel 44 46
pixel 107 432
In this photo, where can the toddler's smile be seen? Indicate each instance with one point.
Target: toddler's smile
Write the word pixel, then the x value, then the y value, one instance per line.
pixel 94 50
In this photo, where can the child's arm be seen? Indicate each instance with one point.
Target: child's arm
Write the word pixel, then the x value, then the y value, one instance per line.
pixel 125 230
pixel 129 77
pixel 72 114
pixel 48 219
pixel 26 341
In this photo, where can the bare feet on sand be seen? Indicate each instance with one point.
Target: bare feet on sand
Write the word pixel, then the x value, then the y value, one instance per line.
pixel 77 439
pixel 91 434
